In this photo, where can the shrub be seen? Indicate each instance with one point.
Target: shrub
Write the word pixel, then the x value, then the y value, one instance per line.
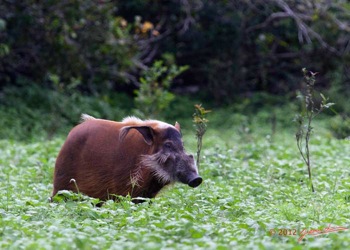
pixel 154 96
pixel 72 40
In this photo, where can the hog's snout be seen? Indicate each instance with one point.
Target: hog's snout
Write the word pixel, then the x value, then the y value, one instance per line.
pixel 195 182
pixel 187 171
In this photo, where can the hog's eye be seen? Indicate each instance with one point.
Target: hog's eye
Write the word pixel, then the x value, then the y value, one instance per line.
pixel 168 145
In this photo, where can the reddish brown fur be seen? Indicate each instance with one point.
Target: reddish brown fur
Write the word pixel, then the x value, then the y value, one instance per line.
pixel 102 165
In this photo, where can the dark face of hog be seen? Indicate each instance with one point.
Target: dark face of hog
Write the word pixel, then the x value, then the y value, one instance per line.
pixel 171 163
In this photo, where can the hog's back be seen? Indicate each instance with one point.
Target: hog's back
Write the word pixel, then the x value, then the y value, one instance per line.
pixel 97 160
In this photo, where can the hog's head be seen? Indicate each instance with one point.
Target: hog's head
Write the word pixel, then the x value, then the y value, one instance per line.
pixel 169 161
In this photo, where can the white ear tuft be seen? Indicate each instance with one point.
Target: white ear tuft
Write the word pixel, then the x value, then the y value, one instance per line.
pixel 177 126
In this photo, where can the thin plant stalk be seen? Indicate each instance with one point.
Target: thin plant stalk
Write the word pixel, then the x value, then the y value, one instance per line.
pixel 200 122
pixel 310 112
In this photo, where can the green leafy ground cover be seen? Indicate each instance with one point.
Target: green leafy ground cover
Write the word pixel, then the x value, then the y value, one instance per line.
pixel 253 182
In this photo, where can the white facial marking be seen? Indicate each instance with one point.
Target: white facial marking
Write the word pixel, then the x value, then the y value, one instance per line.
pixel 196 168
pixel 153 162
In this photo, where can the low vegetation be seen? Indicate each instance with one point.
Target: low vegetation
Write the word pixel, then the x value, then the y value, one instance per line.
pixel 255 193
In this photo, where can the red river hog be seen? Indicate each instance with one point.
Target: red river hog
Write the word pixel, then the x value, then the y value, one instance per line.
pixel 132 157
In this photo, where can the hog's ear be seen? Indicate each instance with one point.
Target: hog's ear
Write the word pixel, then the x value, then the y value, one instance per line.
pixel 146 131
pixel 177 126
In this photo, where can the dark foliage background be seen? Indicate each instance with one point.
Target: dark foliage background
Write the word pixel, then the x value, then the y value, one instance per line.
pixel 233 48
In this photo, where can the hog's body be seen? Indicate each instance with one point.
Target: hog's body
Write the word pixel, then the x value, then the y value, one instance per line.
pixel 134 157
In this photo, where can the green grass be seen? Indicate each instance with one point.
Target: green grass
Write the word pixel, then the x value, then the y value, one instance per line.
pixel 253 182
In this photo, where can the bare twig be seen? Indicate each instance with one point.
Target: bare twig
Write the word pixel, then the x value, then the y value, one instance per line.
pixel 305 32
pixel 189 20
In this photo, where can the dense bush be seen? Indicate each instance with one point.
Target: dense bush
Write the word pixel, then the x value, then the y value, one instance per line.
pixel 232 47
pixel 235 47
pixel 64 42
